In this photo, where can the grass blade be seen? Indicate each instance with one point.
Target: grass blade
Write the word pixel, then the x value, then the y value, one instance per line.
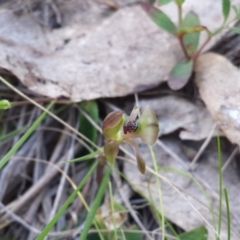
pixel 20 142
pixel 96 204
pixel 228 213
pixel 220 184
pixel 50 225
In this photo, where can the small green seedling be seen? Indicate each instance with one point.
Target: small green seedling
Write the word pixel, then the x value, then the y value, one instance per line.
pixel 187 31
pixel 116 129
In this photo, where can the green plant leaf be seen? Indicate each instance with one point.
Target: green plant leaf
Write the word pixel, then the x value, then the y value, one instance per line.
pixel 86 128
pixel 164 2
pixel 96 203
pixel 191 24
pixel 180 75
pixel 179 2
pixel 235 29
pixel 132 233
pixel 226 9
pixel 236 10
pixel 63 208
pixel 5 104
pixel 199 233
pixel 160 18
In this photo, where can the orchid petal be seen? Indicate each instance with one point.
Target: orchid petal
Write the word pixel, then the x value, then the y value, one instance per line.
pixel 111 149
pixel 134 114
pixel 148 126
pixel 112 125
pixel 140 162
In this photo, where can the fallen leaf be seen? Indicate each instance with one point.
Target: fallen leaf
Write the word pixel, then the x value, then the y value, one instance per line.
pixel 96 52
pixel 116 56
pixel 176 208
pixel 218 81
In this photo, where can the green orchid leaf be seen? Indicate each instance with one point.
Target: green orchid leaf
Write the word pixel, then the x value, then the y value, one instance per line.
pixel 180 75
pixel 191 29
pixel 164 2
pixel 86 128
pixel 235 29
pixel 226 5
pixel 160 18
pixel 5 104
pixel 199 233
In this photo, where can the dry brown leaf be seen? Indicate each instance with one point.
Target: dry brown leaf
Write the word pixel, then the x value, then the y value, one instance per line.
pixel 82 61
pixel 218 81
pixel 96 52
pixel 176 113
pixel 176 208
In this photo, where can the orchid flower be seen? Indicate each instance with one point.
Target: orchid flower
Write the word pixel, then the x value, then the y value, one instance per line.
pixel 117 129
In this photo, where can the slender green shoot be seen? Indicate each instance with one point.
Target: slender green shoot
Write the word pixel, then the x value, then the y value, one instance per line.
pixel 25 136
pixel 59 213
pixel 12 133
pixel 85 157
pixel 220 185
pixel 159 191
pixel 112 209
pixel 228 213
pixel 96 204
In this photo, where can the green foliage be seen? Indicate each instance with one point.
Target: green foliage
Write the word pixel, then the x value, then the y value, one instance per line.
pixel 237 11
pixel 235 29
pixel 25 136
pixel 188 32
pixel 124 234
pixel 179 2
pixel 199 233
pixel 160 18
pixel 163 2
pixel 96 203
pixel 226 5
pixel 86 128
pixel 70 199
pixel 191 37
pixel 180 74
pixel 228 213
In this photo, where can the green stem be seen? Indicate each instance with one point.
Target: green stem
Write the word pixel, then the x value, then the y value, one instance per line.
pixel 179 7
pixel 180 38
pixel 159 191
pixel 96 204
pixel 228 213
pixel 210 35
pixel 60 212
pixel 220 184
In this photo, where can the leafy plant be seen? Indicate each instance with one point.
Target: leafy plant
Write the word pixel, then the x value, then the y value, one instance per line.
pixel 187 31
